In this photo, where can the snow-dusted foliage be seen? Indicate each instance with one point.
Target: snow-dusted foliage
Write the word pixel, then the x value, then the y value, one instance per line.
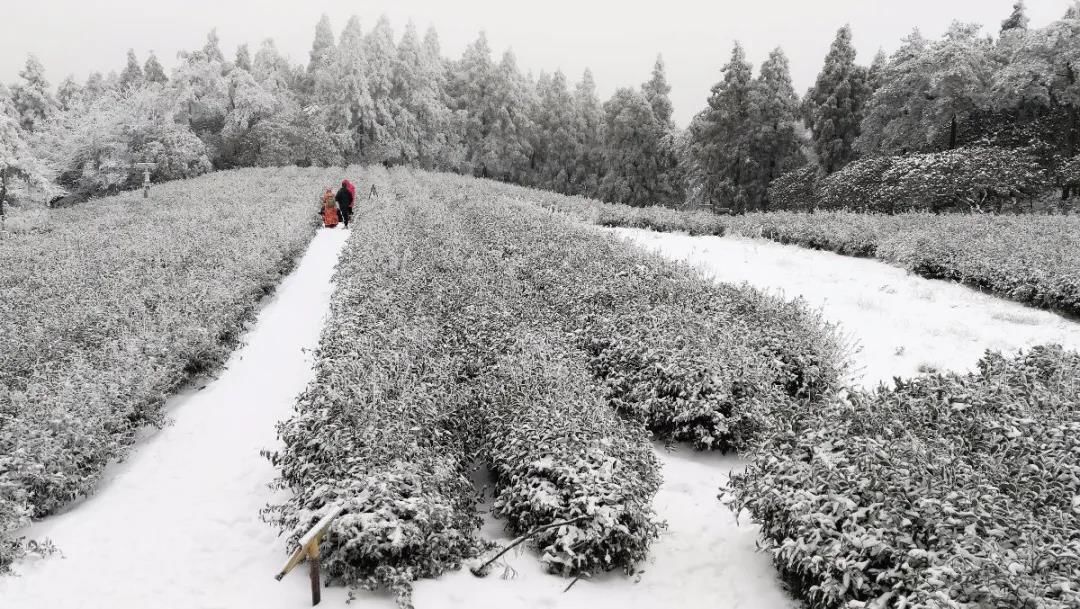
pixel 1031 259
pixel 942 491
pixel 427 364
pixel 173 279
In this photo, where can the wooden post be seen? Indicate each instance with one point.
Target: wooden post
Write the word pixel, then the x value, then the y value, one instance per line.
pixel 309 549
pixel 313 566
pixel 146 167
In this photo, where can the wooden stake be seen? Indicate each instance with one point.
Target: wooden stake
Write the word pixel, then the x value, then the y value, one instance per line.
pixel 313 563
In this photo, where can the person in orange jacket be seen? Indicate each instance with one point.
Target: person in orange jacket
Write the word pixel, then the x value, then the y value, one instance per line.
pixel 328 209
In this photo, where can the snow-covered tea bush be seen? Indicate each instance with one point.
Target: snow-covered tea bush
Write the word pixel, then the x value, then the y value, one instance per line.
pixel 559 454
pixel 1033 259
pixel 694 360
pixel 107 307
pixel 942 491
pixel 416 379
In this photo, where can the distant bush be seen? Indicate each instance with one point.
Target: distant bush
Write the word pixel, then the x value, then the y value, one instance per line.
pixel 795 190
pixel 857 186
pixel 963 179
pixel 942 491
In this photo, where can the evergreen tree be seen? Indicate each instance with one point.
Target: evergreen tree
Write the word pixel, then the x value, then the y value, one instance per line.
pixel 472 91
pixel 657 92
pixel 243 58
pixel 775 145
pixel 1018 20
pixel 876 74
pixel 341 91
pixel 153 70
pixel 212 48
pixel 555 140
pixel 632 135
pixel 132 76
pixel 721 137
pixel 322 49
pixel 589 122
pixel 382 142
pixel 69 94
pixel 835 104
pixel 32 99
pixel 95 85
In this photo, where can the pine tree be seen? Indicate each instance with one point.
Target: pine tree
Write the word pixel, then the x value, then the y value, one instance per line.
pixel 153 70
pixel 657 91
pixel 507 149
pixel 132 76
pixel 69 94
pixel 775 146
pixel 1018 20
pixel 33 102
pixel 472 91
pixel 835 104
pixel 631 138
pixel 341 92
pixel 212 48
pixel 589 122
pixel 95 85
pixel 380 54
pixel 243 58
pixel 322 49
pixel 554 139
pixel 721 138
pixel 876 74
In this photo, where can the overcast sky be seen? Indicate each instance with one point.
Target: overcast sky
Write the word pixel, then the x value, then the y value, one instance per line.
pixel 618 40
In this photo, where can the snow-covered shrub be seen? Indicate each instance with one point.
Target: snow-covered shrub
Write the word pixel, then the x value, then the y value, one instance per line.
pixel 94 145
pixel 796 190
pixel 857 186
pixel 654 217
pixel 560 454
pixel 416 378
pixel 954 180
pixel 377 430
pixel 695 361
pixel 1034 259
pixel 942 491
pixel 118 302
pixel 963 179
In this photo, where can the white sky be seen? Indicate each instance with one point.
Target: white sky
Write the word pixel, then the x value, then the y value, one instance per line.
pixel 619 40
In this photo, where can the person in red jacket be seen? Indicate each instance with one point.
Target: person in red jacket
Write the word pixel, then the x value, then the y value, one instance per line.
pixel 328 210
pixel 345 198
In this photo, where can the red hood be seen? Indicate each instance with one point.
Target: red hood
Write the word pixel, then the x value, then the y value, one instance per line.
pixel 349 186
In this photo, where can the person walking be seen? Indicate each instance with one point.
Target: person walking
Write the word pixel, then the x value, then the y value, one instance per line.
pixel 327 210
pixel 346 196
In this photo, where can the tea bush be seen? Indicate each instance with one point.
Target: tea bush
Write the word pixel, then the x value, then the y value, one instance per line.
pixel 110 306
pixel 694 360
pixel 942 491
pixel 418 375
pixel 1033 259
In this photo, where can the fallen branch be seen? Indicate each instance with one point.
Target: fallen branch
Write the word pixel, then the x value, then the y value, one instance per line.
pixel 481 571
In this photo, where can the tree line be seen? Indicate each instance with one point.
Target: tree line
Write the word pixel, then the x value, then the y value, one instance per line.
pixel 964 103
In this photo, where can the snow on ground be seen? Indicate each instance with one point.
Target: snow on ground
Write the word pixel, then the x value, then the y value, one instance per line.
pixel 177 524
pixel 703 561
pixel 902 322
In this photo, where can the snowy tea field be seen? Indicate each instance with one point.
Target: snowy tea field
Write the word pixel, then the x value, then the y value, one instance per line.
pixel 473 361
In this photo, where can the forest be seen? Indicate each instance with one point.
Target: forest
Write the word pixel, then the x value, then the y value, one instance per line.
pixel 971 121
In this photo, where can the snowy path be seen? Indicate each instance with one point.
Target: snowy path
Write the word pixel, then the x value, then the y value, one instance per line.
pixel 902 322
pixel 177 525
